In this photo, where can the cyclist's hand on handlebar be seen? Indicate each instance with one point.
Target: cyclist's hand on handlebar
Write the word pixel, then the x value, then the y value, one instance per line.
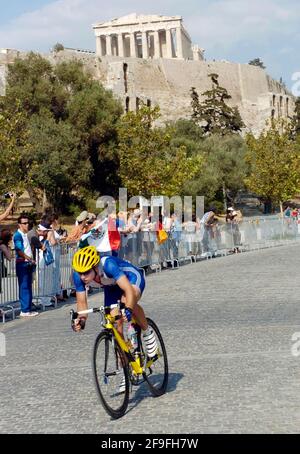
pixel 78 324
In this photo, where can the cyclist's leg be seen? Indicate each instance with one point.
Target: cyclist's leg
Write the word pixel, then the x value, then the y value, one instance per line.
pixel 139 315
pixel 138 311
pixel 112 295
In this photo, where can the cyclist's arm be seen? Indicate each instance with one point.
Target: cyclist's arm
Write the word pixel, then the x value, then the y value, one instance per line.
pixel 127 288
pixel 81 300
pixel 81 306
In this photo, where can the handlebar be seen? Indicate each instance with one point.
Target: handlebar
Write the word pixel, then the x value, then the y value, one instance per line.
pixel 74 315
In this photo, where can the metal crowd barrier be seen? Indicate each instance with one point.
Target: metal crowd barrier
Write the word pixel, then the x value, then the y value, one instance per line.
pixel 143 250
pixel 48 281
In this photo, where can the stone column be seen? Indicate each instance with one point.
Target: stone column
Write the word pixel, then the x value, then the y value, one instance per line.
pixel 98 46
pixel 179 51
pixel 108 45
pixel 145 45
pixel 169 43
pixel 120 45
pixel 156 45
pixel 132 45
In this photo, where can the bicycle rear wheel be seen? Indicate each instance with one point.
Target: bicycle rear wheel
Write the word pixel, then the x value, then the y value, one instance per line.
pixel 110 370
pixel 157 374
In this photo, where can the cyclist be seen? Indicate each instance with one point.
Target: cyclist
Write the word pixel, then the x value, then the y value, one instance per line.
pixel 121 281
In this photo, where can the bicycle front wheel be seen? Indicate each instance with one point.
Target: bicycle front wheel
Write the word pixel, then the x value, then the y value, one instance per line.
pixel 111 375
pixel 157 374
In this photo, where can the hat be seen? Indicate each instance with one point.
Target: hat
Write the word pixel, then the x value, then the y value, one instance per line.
pixel 230 209
pixel 44 226
pixel 91 217
pixel 83 216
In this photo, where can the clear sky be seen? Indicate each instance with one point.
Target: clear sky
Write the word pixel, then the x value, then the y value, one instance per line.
pixel 234 30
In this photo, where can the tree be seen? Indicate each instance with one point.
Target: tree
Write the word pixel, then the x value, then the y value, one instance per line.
pixel 58 162
pixel 65 108
pixel 213 115
pixel 274 159
pixel 13 146
pixel 257 62
pixel 58 47
pixel 224 168
pixel 149 165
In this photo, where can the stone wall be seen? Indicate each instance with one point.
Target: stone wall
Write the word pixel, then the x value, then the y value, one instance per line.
pixel 2 79
pixel 167 83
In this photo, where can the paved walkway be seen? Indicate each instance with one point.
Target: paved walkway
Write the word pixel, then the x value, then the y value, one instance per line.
pixel 228 326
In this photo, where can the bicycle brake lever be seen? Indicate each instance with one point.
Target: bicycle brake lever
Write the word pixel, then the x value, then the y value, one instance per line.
pixel 74 315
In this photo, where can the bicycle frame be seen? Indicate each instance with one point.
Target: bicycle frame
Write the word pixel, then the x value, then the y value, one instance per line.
pixel 108 324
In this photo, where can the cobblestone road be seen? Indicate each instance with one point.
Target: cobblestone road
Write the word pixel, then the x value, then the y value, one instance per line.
pixel 228 326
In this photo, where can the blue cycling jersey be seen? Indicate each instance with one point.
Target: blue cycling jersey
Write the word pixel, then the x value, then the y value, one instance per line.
pixel 111 269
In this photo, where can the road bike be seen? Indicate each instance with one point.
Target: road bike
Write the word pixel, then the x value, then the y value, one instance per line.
pixel 114 361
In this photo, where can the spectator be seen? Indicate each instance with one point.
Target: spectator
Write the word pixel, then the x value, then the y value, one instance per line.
pixel 175 234
pixel 54 224
pixel 190 229
pixel 24 266
pixel 207 222
pixel 294 213
pixel 79 229
pixel 121 226
pixel 133 226
pixel 148 238
pixel 9 208
pixel 46 272
pixel 287 212
pixel 232 221
pixel 33 237
pixel 5 238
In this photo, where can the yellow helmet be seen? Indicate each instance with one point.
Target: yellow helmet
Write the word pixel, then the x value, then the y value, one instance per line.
pixel 85 259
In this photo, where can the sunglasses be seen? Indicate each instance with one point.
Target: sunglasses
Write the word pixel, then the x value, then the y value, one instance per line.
pixel 86 273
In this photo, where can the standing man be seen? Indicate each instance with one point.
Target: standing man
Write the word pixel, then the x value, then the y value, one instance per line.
pixel 24 266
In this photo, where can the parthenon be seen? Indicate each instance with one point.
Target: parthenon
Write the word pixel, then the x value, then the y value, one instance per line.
pixel 145 37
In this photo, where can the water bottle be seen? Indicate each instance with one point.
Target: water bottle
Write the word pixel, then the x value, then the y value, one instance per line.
pixel 132 336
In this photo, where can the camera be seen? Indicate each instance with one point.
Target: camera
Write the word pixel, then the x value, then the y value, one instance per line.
pixel 7 195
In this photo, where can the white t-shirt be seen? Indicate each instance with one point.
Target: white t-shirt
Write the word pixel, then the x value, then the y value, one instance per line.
pixel 27 247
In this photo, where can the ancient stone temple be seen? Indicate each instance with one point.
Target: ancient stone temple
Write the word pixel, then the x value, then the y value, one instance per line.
pixel 145 37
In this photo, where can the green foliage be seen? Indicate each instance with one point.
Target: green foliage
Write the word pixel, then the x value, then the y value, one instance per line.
pixel 13 147
pixel 58 47
pixel 274 159
pixel 58 160
pixel 257 62
pixel 224 167
pixel 213 115
pixel 71 122
pixel 149 163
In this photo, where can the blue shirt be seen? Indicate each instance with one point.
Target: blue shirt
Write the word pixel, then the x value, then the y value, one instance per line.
pixel 113 268
pixel 22 244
